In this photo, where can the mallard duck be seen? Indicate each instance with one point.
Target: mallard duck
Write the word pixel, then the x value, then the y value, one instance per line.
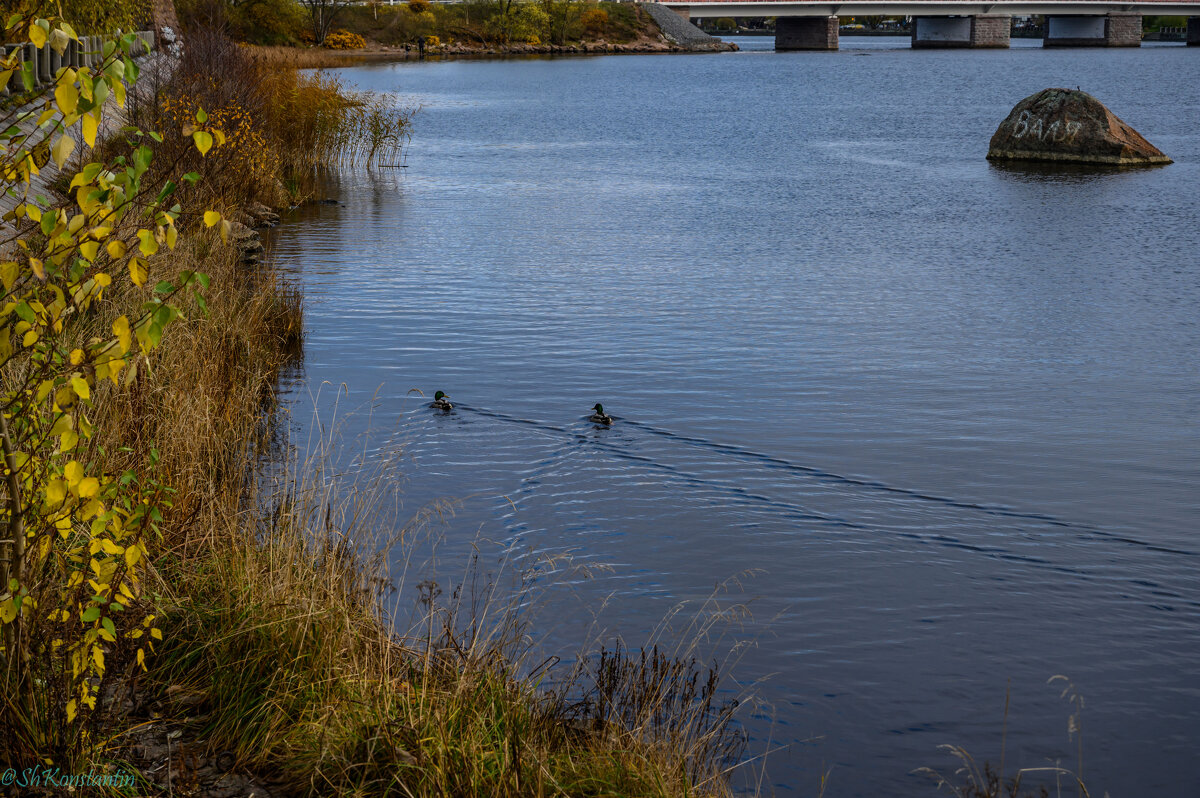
pixel 440 401
pixel 600 417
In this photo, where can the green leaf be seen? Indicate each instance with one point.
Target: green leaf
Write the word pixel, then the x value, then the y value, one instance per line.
pixel 201 117
pixel 141 158
pixel 108 625
pixel 191 177
pixel 90 614
pixel 165 287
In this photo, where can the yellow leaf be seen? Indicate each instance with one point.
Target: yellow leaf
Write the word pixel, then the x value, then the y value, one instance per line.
pixel 72 709
pixel 211 218
pixel 116 248
pixel 133 555
pixel 68 440
pixel 110 547
pixel 8 274
pixel 141 658
pixel 120 328
pixel 98 658
pixel 203 141
pixel 38 268
pixel 148 245
pixel 8 610
pixel 73 472
pixel 90 125
pixel 89 488
pixel 89 250
pixel 30 338
pixel 156 633
pixel 93 507
pixel 37 35
pixel 137 271
pixel 59 41
pixel 114 369
pixel 79 384
pixel 56 491
pixel 172 236
pixel 62 149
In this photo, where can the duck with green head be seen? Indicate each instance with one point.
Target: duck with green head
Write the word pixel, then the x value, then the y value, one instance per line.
pixel 441 402
pixel 600 417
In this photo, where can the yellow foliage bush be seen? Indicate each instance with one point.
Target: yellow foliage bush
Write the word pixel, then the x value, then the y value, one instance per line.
pixel 246 156
pixel 594 20
pixel 433 41
pixel 418 6
pixel 344 40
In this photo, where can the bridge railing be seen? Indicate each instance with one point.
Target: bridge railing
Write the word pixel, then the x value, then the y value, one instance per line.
pixel 44 63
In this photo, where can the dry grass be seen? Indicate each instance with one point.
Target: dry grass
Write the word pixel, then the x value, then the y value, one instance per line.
pixel 311 57
pixel 971 780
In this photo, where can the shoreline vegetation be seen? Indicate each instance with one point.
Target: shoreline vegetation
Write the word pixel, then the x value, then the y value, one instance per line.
pixel 178 614
pixel 418 28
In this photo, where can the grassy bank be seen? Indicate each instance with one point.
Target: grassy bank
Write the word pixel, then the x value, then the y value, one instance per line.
pixel 178 612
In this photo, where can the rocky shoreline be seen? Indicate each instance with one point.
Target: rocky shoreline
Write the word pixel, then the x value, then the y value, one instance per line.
pixel 459 49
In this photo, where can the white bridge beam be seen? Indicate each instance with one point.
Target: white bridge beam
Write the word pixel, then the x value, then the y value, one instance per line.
pixel 924 8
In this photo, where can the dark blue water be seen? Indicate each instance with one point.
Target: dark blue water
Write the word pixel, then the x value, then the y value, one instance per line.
pixel 950 411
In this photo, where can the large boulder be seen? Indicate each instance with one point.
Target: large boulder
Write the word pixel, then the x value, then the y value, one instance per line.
pixel 1070 127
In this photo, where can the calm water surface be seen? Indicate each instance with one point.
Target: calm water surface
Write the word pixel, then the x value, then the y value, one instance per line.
pixel 952 411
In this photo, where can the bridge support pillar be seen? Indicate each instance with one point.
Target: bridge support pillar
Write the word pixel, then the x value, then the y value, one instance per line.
pixel 806 33
pixel 1193 34
pixel 1112 30
pixel 982 30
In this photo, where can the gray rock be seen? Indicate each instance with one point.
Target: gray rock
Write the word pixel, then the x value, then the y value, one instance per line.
pixel 1065 126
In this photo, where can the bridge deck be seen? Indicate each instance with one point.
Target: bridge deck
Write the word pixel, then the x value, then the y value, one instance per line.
pixel 932 8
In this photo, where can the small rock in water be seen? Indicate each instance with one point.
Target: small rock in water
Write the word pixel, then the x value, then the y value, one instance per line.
pixel 1067 126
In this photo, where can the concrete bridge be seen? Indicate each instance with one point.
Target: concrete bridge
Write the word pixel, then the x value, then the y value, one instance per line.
pixel 813 24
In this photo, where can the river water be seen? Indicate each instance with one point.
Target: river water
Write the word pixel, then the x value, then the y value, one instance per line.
pixel 948 412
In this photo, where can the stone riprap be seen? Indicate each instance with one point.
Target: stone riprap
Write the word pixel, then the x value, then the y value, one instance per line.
pixel 682 32
pixel 1066 126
